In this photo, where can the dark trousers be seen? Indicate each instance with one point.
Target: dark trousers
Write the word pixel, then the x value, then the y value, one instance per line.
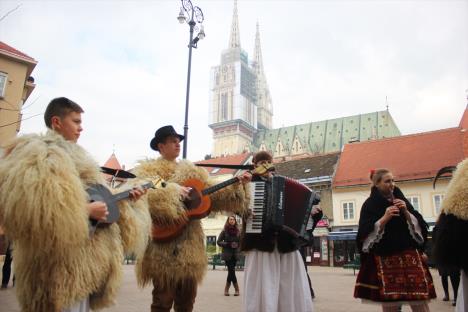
pixel 454 279
pixel 182 297
pixel 302 251
pixel 6 271
pixel 231 265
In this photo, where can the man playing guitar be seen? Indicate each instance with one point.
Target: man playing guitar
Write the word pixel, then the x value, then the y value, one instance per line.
pixel 177 265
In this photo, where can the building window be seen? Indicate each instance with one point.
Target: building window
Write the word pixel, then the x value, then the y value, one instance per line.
pixel 414 200
pixel 437 199
pixel 224 107
pixel 211 240
pixel 348 210
pixel 211 244
pixel 3 82
pixel 249 113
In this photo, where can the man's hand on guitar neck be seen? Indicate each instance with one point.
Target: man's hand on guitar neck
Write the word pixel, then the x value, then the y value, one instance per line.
pixel 98 210
pixel 244 178
pixel 136 193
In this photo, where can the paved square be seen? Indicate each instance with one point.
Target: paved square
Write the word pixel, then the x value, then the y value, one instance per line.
pixel 333 288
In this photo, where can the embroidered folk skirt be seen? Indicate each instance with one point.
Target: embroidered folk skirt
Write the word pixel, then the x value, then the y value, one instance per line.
pixel 399 277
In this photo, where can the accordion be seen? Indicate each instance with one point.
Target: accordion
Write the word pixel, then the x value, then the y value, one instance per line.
pixel 281 204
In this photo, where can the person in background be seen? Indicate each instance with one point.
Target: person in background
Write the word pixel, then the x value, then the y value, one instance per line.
pixel 229 239
pixel 6 270
pixel 446 272
pixel 315 216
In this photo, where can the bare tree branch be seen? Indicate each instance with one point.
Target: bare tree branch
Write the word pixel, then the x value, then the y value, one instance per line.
pixel 9 12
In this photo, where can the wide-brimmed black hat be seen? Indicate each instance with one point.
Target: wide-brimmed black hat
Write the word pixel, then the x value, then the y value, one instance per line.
pixel 161 134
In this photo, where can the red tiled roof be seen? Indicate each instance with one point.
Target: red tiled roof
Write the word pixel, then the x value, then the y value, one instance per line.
pixel 10 50
pixel 465 142
pixel 237 159
pixel 113 163
pixel 409 157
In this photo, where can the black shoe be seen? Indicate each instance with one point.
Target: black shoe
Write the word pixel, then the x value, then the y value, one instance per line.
pixel 4 287
pixel 446 298
pixel 454 303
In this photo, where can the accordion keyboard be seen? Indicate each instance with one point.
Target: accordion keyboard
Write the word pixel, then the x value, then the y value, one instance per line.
pixel 257 203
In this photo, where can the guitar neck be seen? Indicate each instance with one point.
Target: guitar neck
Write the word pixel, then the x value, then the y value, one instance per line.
pixel 219 186
pixel 126 194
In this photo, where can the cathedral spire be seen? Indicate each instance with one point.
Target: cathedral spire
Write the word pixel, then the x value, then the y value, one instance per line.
pixel 234 40
pixel 258 61
pixel 264 102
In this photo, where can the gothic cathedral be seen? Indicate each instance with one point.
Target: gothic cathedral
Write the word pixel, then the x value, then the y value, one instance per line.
pixel 241 112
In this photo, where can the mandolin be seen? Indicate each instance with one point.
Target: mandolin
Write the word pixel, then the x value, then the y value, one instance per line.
pixel 198 204
pixel 99 192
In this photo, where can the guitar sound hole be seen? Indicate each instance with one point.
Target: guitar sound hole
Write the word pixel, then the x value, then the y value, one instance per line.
pixel 193 200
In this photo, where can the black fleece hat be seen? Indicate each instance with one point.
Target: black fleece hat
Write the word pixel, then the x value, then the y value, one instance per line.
pixel 161 134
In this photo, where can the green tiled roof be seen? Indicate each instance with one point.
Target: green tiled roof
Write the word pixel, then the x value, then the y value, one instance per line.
pixel 327 135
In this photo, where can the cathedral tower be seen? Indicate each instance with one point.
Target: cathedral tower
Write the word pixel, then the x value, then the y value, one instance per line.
pixel 233 96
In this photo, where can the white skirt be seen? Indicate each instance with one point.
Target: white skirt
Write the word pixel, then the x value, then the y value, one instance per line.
pixel 275 282
pixel 82 306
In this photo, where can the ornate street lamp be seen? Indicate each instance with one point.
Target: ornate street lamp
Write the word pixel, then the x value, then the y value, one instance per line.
pixel 192 16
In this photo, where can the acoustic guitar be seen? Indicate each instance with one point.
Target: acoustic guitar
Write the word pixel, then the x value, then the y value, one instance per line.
pixel 198 204
pixel 99 192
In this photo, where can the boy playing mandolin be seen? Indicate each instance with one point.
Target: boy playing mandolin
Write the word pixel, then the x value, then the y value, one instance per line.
pixel 177 265
pixel 45 211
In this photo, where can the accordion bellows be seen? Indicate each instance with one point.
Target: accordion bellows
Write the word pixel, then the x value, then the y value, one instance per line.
pixel 283 205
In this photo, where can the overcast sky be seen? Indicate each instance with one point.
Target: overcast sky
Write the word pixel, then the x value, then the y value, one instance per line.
pixel 125 63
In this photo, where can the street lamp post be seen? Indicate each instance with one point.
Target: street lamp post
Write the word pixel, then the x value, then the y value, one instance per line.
pixel 192 16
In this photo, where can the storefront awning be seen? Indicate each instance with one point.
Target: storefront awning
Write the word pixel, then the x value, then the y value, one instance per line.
pixel 344 235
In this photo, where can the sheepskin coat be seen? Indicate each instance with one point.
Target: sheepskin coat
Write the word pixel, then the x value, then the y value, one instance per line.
pixel 43 199
pixel 183 258
pixel 456 199
pixel 450 247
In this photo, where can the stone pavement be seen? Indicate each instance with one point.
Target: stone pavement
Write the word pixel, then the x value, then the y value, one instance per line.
pixel 333 288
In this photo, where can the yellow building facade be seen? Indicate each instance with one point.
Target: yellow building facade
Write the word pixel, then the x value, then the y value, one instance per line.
pixel 16 85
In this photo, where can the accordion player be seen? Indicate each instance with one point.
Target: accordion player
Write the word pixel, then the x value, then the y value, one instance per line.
pixel 281 206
